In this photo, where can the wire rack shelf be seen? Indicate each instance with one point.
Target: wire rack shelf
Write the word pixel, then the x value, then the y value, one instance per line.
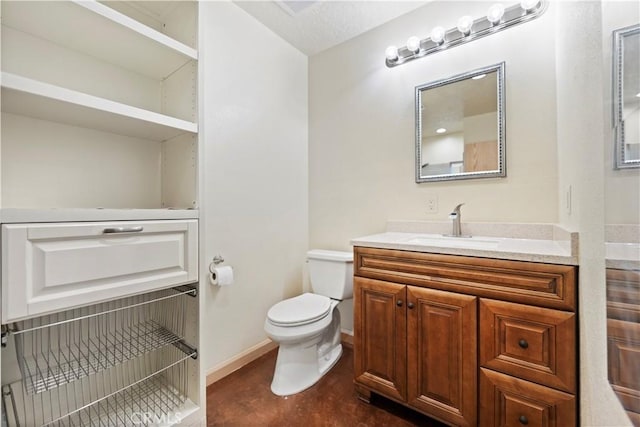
pixel 66 347
pixel 148 390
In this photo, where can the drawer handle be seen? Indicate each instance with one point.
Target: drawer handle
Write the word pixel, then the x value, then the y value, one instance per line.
pixel 410 305
pixel 114 230
pixel 399 303
pixel 523 344
pixel 523 420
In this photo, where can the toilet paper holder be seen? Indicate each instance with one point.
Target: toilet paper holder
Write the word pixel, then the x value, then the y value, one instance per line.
pixel 216 260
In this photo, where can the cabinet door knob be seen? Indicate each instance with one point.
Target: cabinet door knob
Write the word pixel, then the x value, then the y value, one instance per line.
pixel 523 344
pixel 410 305
pixel 399 303
pixel 523 420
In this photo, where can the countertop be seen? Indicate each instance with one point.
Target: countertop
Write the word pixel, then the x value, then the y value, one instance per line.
pixel 556 246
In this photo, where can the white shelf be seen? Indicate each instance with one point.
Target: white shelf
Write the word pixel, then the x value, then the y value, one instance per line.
pixel 27 97
pixel 97 30
pixel 25 215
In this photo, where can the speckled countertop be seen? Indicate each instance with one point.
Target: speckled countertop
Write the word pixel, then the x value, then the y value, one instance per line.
pixel 546 243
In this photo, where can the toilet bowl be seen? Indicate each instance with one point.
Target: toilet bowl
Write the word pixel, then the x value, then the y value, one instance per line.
pixel 307 327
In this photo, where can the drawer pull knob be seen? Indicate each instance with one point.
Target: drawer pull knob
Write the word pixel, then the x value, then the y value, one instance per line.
pixel 399 303
pixel 114 230
pixel 410 305
pixel 523 344
pixel 523 420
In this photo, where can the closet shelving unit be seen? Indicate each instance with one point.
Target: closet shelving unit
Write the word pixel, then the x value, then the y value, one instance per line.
pixel 100 133
pixel 83 82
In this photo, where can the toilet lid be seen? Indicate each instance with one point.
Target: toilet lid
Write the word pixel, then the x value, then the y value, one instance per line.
pixel 300 310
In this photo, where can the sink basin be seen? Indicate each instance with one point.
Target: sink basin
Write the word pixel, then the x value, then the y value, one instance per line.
pixel 454 242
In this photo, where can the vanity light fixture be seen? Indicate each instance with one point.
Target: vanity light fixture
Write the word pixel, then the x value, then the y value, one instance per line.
pixel 441 130
pixel 529 5
pixel 464 24
pixel 437 35
pixel 467 29
pixel 495 14
pixel 413 44
pixel 391 53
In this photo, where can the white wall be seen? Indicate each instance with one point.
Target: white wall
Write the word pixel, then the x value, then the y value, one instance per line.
pixel 254 163
pixel 481 128
pixel 361 128
pixel 443 148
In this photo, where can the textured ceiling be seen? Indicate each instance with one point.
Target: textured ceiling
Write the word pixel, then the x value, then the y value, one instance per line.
pixel 326 23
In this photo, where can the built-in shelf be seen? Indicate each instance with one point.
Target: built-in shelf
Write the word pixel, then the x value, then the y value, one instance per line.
pixel 97 30
pixel 20 215
pixel 32 98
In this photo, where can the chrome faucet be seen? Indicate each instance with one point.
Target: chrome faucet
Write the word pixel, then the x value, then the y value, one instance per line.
pixel 455 217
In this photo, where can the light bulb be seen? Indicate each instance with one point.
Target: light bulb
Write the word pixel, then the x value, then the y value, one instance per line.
pixel 437 35
pixel 495 13
pixel 529 5
pixel 638 94
pixel 464 24
pixel 413 44
pixel 478 77
pixel 441 130
pixel 391 53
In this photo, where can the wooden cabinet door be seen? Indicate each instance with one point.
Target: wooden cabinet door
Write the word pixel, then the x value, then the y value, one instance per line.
pixel 380 344
pixel 506 401
pixel 442 354
pixel 624 362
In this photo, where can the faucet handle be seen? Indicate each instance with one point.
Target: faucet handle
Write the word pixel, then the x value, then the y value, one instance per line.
pixel 456 210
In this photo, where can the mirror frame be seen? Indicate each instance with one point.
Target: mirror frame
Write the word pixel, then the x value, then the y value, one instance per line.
pixel 502 165
pixel 618 101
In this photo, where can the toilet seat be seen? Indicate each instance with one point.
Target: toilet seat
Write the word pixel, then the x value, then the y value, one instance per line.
pixel 301 310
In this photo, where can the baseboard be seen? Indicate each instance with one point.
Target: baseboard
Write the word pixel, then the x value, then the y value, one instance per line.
pixel 347 339
pixel 238 361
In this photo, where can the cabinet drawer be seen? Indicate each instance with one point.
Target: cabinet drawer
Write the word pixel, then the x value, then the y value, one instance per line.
pixel 623 294
pixel 546 285
pixel 52 267
pixel 537 344
pixel 506 401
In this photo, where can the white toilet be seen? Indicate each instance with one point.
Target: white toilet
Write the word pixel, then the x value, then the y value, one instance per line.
pixel 307 327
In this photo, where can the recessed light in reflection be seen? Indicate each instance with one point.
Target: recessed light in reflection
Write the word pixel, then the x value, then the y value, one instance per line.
pixel 441 130
pixel 638 94
pixel 478 77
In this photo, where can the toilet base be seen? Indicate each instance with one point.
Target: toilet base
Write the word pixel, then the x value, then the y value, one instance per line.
pixel 300 364
pixel 294 376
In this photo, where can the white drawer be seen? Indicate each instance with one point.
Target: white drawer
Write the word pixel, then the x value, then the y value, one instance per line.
pixel 52 267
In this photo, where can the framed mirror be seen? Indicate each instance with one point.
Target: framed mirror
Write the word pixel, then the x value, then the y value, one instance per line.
pixel 626 96
pixel 460 125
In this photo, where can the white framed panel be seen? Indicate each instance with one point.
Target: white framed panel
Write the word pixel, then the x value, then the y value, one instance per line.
pixel 53 267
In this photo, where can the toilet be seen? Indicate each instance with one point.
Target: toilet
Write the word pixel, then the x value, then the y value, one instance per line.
pixel 307 327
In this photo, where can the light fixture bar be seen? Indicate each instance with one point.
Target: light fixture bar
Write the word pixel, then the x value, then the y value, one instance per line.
pixel 481 27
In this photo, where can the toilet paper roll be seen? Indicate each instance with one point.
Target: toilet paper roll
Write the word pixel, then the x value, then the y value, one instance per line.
pixel 221 276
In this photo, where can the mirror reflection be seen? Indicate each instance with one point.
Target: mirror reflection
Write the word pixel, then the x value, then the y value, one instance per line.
pixel 460 126
pixel 627 96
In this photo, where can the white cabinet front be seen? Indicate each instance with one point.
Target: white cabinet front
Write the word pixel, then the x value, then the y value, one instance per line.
pixel 52 267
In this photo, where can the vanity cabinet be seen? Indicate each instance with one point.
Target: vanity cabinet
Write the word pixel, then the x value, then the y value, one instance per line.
pixel 468 341
pixel 623 336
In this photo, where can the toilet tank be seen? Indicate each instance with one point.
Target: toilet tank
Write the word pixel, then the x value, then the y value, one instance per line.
pixel 331 273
